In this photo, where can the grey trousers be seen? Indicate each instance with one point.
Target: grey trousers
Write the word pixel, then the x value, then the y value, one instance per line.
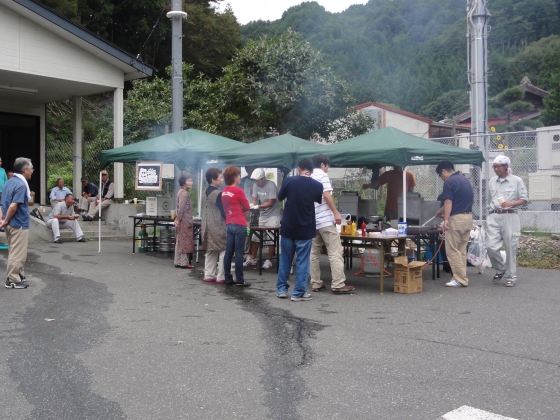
pixel 56 225
pixel 94 209
pixel 503 229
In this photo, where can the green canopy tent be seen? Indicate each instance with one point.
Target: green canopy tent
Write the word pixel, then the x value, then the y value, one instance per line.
pixel 391 146
pixel 277 152
pixel 184 148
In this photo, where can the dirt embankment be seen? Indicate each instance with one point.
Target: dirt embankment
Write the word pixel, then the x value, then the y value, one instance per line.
pixel 539 252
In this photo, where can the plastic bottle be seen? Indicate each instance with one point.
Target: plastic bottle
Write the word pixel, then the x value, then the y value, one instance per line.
pixel 354 228
pixel 364 232
pixel 142 239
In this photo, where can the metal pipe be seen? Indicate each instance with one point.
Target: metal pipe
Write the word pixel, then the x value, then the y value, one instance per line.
pixel 176 15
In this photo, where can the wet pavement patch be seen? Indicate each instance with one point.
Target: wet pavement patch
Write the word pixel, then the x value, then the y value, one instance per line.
pixel 288 352
pixel 44 362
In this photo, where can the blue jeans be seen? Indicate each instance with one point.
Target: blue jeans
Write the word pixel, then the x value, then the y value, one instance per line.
pixel 289 247
pixel 236 235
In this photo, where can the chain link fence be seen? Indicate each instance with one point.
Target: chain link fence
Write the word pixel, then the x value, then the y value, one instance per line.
pixel 519 147
pixel 60 162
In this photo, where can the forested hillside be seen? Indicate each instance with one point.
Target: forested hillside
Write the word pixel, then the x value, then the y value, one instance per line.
pixel 410 52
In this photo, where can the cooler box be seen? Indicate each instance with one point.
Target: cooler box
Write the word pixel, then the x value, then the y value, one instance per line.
pixel 159 206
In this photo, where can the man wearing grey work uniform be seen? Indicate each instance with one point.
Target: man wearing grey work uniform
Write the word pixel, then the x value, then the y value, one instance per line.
pixel 506 192
pixel 265 198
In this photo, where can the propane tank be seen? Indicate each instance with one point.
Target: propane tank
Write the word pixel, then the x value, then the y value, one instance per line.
pixel 142 239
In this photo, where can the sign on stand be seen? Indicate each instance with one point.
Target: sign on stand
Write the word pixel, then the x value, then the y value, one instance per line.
pixel 149 176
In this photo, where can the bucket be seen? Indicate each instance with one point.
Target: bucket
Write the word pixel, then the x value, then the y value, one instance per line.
pixel 401 230
pixel 167 239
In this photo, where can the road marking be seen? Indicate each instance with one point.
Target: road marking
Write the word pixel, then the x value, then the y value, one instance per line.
pixel 470 413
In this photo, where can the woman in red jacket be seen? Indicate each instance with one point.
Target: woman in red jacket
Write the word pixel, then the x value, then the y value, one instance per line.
pixel 235 205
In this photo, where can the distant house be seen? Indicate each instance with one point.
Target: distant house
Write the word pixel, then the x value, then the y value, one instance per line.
pixel 45 57
pixel 417 125
pixel 533 95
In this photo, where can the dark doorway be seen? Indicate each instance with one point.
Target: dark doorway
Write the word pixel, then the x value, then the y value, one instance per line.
pixel 20 137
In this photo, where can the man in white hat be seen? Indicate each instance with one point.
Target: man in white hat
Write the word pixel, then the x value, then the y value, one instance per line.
pixel 506 193
pixel 265 199
pixel 104 198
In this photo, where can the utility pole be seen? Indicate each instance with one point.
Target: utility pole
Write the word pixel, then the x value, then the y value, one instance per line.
pixel 478 17
pixel 176 15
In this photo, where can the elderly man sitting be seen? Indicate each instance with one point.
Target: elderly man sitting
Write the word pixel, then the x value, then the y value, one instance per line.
pixel 58 193
pixel 63 217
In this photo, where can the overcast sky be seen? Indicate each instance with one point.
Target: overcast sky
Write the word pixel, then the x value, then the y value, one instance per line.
pixel 248 10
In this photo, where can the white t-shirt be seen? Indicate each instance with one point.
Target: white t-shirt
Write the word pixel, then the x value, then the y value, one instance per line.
pixel 323 215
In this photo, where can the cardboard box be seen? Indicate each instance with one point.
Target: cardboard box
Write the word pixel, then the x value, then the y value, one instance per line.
pixel 159 206
pixel 408 276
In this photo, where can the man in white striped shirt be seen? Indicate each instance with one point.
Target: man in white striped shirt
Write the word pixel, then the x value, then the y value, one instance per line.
pixel 326 217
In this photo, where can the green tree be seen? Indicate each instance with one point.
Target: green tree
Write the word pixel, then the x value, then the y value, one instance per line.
pixel 551 114
pixel 447 105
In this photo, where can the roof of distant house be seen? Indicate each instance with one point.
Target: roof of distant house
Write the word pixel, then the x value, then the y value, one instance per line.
pixel 395 110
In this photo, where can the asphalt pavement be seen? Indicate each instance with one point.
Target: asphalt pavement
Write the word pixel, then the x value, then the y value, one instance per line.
pixel 115 335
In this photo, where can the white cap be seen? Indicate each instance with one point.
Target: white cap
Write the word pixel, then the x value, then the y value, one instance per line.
pixel 502 160
pixel 258 174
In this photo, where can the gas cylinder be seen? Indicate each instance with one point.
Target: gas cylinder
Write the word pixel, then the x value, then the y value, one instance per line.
pixel 142 239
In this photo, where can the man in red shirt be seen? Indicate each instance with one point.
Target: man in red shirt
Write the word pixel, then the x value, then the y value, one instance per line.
pixel 394 181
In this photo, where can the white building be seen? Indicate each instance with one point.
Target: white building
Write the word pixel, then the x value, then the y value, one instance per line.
pixel 45 57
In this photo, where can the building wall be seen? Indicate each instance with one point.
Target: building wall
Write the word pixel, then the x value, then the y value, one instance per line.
pixel 406 124
pixel 26 47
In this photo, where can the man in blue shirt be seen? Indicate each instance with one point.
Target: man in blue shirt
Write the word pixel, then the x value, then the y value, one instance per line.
pixel 457 200
pixel 298 229
pixel 59 193
pixel 15 220
pixel 89 194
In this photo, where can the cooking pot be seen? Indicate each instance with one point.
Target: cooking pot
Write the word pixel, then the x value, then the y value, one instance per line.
pixel 375 219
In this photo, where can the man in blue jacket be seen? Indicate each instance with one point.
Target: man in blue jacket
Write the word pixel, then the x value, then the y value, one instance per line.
pixel 15 220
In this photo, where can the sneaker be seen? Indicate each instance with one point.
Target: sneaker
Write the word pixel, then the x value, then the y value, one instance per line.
pixel 82 239
pixel 12 285
pixel 282 295
pixel 267 264
pixel 220 281
pixel 510 282
pixel 58 241
pixel 210 279
pixel 306 296
pixel 250 262
pixel 454 283
pixel 497 277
